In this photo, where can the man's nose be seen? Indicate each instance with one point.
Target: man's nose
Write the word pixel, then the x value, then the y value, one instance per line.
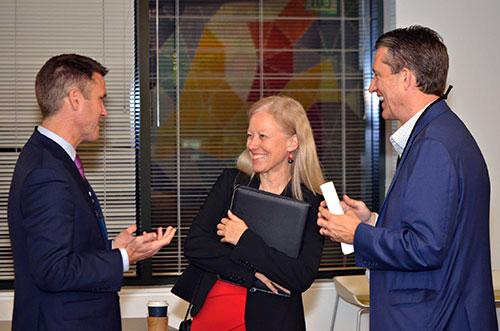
pixel 372 87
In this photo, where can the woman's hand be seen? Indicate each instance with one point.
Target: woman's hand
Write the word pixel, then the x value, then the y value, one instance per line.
pixel 231 228
pixel 272 286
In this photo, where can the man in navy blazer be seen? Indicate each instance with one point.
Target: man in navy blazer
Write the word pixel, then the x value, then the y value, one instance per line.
pixel 67 272
pixel 429 250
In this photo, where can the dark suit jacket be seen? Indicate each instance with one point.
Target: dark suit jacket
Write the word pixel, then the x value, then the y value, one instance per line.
pixel 429 254
pixel 208 257
pixel 66 275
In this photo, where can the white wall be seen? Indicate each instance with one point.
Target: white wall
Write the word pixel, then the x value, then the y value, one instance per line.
pixel 471 31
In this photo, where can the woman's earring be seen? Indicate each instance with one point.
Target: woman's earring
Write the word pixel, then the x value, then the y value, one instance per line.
pixel 290 158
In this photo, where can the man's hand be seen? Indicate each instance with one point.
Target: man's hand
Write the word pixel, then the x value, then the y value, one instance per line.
pixel 272 286
pixel 147 245
pixel 124 237
pixel 339 228
pixel 231 229
pixel 358 207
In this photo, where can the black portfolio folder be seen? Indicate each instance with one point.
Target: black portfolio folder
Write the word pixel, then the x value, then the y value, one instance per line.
pixel 278 220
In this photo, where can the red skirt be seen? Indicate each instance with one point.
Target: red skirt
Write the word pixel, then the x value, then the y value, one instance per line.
pixel 223 309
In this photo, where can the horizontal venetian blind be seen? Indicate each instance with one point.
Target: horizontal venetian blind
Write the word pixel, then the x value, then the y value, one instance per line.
pixel 31 31
pixel 210 62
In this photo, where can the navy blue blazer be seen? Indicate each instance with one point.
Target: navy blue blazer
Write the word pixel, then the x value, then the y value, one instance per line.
pixel 66 275
pixel 429 254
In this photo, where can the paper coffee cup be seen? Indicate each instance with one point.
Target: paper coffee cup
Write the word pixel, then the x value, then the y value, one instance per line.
pixel 157 308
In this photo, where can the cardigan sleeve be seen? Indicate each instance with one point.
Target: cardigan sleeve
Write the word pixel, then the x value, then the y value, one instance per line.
pixel 295 274
pixel 203 247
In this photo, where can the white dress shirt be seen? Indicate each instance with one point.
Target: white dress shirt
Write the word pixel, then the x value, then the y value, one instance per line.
pixel 399 139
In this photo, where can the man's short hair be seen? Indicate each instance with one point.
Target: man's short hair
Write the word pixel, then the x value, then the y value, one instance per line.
pixel 59 74
pixel 421 50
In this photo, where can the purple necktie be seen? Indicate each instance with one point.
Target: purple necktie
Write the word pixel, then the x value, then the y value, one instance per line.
pixel 79 165
pixel 95 201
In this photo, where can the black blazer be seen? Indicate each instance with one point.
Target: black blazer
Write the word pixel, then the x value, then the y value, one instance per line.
pixel 209 258
pixel 66 275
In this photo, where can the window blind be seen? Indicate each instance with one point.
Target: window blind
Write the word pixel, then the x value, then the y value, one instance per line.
pixel 210 61
pixel 31 31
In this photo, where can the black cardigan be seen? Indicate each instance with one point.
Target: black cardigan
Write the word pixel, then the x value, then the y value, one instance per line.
pixel 209 258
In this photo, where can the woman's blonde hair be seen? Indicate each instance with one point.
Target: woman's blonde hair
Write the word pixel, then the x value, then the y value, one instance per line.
pixel 292 118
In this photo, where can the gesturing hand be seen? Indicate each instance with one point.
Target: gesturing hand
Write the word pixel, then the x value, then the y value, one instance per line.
pixel 147 245
pixel 124 237
pixel 231 228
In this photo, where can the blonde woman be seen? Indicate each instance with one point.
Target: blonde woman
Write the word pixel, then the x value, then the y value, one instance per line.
pixel 226 258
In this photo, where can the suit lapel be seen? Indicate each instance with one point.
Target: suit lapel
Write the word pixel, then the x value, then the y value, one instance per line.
pixel 435 110
pixel 59 153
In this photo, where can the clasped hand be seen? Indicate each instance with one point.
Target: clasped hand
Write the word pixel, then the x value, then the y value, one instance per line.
pixel 143 246
pixel 272 286
pixel 231 228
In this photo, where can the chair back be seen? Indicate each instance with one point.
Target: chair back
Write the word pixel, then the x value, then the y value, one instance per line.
pixel 353 289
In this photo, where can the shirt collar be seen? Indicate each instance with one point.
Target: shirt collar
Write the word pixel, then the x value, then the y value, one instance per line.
pixel 58 140
pixel 399 139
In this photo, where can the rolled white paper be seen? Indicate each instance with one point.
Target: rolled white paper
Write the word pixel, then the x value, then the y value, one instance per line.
pixel 333 203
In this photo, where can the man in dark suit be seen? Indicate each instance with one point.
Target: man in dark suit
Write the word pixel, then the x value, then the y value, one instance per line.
pixel 429 250
pixel 67 272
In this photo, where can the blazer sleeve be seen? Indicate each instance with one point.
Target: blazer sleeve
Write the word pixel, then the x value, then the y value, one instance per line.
pixel 48 212
pixel 427 220
pixel 295 274
pixel 203 247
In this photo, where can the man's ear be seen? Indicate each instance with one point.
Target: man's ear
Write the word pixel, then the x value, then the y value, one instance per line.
pixel 293 143
pixel 75 98
pixel 408 78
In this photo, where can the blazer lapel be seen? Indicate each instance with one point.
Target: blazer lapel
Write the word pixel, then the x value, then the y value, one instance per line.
pixel 433 112
pixel 84 186
pixel 59 153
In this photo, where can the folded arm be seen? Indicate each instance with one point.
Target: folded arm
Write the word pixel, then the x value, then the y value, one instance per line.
pixel 203 247
pixel 294 274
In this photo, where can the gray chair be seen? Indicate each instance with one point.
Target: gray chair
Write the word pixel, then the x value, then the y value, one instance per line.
pixel 354 290
pixel 496 287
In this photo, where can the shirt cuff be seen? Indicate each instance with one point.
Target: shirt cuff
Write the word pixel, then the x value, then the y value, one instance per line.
pixel 125 261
